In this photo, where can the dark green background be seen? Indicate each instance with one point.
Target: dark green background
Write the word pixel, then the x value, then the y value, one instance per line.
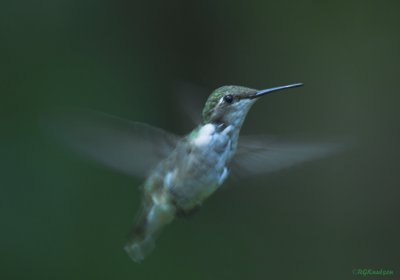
pixel 64 218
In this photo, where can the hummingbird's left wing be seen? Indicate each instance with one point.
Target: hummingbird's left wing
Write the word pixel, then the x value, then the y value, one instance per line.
pixel 190 98
pixel 130 147
pixel 264 154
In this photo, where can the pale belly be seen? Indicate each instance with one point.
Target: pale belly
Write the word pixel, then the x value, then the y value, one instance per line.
pixel 193 171
pixel 195 178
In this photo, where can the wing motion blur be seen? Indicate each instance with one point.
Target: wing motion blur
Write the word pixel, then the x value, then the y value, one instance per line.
pixel 135 148
pixel 130 147
pixel 189 97
pixel 265 154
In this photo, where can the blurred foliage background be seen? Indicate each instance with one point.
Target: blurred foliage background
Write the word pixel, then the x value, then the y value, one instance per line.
pixel 66 218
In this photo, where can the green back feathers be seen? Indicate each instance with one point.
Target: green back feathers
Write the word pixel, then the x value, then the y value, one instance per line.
pixel 211 103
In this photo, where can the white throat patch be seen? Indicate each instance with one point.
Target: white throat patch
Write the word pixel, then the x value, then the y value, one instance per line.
pixel 204 135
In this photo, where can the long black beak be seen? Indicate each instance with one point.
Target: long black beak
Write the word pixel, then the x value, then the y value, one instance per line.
pixel 269 90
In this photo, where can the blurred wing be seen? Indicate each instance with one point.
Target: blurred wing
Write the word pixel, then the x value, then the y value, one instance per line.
pixel 191 101
pixel 130 147
pixel 265 154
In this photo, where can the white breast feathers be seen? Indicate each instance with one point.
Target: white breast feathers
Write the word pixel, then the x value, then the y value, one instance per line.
pixel 205 135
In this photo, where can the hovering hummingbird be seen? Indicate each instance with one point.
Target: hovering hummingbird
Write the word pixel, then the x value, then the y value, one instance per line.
pixel 181 173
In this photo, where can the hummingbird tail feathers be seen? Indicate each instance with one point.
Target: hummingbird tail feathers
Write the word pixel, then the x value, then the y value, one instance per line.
pixel 154 216
pixel 138 249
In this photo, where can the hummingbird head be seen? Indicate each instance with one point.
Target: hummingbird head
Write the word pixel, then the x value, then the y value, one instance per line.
pixel 228 105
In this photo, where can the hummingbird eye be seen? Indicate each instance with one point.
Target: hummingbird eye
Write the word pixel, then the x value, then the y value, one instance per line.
pixel 228 98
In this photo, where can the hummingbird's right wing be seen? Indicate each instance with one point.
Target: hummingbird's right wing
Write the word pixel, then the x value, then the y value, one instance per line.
pixel 130 147
pixel 265 154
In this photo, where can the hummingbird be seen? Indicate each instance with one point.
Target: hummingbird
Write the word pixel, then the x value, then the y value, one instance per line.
pixel 182 172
